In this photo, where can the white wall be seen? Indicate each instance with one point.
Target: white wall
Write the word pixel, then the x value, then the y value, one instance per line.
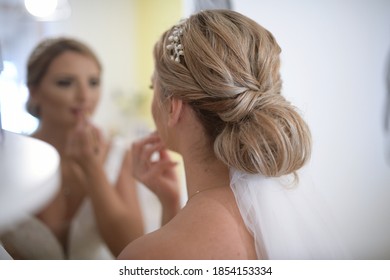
pixel 334 59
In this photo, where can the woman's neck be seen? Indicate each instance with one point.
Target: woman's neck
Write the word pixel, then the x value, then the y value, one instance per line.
pixel 205 174
pixel 54 135
pixel 203 170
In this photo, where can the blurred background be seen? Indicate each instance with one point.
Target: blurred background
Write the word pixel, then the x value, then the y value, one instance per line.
pixel 335 68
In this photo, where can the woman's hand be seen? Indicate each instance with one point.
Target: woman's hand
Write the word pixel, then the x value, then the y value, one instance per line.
pixel 86 144
pixel 159 174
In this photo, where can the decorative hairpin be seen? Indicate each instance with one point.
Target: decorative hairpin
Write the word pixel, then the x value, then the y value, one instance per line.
pixel 175 45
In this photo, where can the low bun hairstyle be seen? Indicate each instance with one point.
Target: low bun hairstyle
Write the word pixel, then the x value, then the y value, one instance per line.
pixel 229 75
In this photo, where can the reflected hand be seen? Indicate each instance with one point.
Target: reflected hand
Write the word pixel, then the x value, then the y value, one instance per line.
pixel 86 145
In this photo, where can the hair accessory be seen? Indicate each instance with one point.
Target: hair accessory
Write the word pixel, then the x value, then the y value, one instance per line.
pixel 175 45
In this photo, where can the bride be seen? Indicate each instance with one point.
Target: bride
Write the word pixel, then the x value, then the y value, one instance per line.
pixel 217 102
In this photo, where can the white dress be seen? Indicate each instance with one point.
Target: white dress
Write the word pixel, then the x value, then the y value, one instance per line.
pixel 287 220
pixel 36 241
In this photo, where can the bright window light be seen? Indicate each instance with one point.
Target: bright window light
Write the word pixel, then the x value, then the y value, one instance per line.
pixel 13 98
pixel 41 8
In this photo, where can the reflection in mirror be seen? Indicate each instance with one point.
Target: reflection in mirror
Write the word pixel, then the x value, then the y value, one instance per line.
pixel 212 4
pixel 387 112
pixel 113 39
pixel 13 97
pixel 1 70
pixel 41 9
pixel 15 20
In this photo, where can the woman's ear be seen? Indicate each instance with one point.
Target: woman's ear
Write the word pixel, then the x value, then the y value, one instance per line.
pixel 175 111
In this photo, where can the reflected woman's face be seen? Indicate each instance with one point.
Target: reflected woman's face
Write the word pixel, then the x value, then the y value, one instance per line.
pixel 69 90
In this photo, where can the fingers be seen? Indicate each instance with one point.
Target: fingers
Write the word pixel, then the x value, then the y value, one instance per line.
pixel 164 166
pixel 85 140
pixel 164 155
pixel 151 139
pixel 88 139
pixel 95 138
pixel 147 168
pixel 143 149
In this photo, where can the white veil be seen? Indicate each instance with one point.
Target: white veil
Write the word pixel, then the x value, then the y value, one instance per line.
pixel 287 221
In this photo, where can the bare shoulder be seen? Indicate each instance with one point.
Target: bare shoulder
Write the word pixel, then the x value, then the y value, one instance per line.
pixel 206 228
pixel 155 245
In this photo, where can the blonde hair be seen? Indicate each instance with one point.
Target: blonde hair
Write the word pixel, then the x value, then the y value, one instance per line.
pixel 43 55
pixel 229 75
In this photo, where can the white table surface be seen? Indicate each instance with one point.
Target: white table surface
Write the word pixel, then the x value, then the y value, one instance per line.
pixel 29 176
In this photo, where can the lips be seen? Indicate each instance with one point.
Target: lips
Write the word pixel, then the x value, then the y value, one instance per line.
pixel 79 111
